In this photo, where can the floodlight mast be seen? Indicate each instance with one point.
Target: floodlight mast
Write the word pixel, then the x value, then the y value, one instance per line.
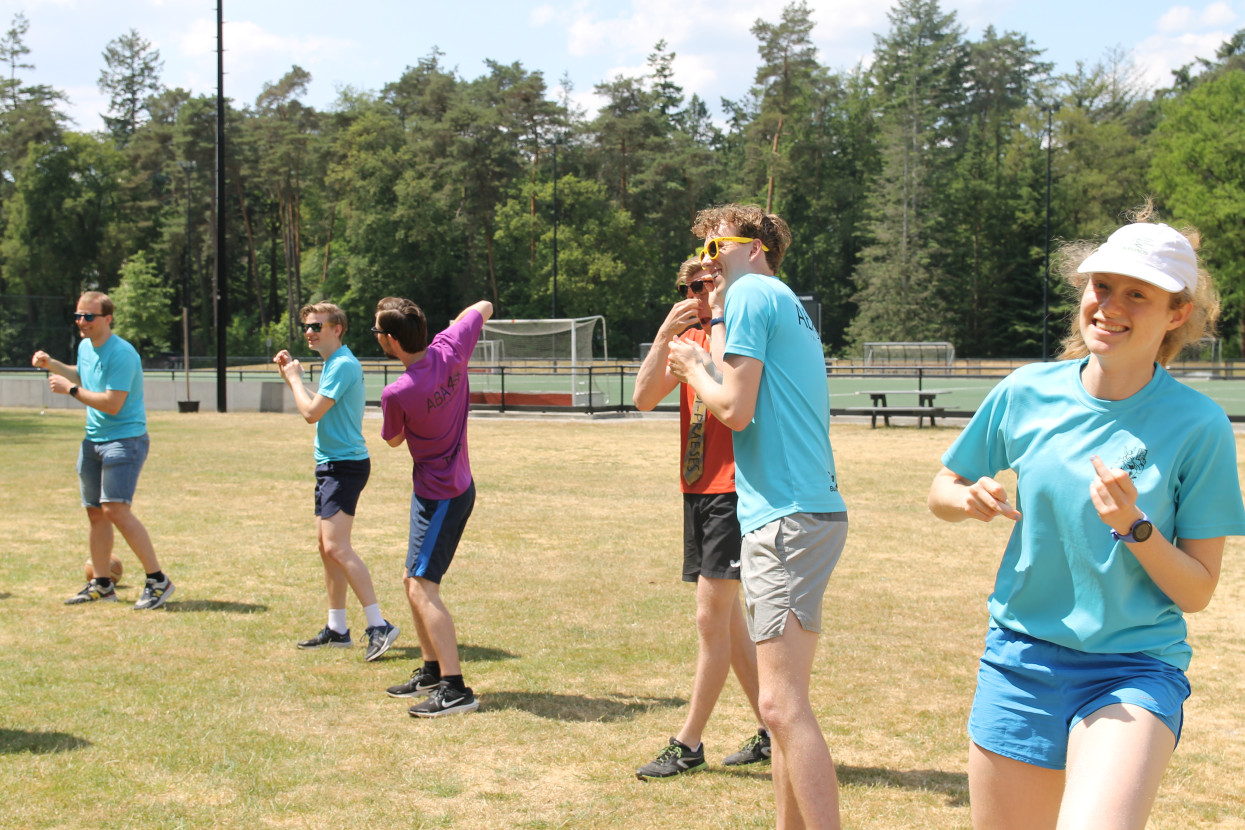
pixel 222 282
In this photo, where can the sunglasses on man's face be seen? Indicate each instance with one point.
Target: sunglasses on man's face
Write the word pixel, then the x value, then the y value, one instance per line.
pixel 697 286
pixel 86 315
pixel 313 327
pixel 376 330
pixel 713 247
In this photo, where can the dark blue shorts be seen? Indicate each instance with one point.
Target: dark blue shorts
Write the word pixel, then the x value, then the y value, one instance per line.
pixel 339 485
pixel 711 536
pixel 436 527
pixel 1030 693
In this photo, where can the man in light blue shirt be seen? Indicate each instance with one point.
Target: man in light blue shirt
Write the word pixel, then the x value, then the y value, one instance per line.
pixel 108 380
pixel 766 381
pixel 342 470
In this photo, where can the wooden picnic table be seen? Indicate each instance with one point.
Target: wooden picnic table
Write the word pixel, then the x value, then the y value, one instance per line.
pixel 879 405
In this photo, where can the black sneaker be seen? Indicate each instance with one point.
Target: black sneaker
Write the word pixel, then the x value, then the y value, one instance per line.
pixel 379 639
pixel 154 595
pixel 755 750
pixel 92 592
pixel 328 637
pixel 422 681
pixel 445 700
pixel 675 759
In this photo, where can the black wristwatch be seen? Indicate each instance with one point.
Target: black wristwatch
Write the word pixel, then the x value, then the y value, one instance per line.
pixel 1139 532
pixel 73 391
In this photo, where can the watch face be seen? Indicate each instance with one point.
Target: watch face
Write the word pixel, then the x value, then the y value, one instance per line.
pixel 1142 531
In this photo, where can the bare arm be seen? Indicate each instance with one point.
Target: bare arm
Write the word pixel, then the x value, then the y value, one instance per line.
pixel 654 381
pixel 953 498
pixel 312 408
pixel 109 401
pixel 484 307
pixel 397 440
pixel 732 399
pixel 42 360
pixel 1187 571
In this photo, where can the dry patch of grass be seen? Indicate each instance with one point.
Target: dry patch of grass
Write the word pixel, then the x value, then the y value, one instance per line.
pixel 576 634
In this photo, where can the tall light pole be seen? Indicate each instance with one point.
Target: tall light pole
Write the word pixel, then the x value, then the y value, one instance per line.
pixel 187 168
pixel 554 315
pixel 222 281
pixel 1050 142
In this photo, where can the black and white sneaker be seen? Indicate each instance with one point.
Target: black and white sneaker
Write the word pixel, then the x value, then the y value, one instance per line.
pixel 422 681
pixel 328 637
pixel 154 595
pixel 445 700
pixel 755 750
pixel 93 592
pixel 675 759
pixel 379 639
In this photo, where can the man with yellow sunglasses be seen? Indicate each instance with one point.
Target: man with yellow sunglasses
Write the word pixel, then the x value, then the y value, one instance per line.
pixel 766 380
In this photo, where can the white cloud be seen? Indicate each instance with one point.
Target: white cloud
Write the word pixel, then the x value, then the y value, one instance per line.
pixel 541 15
pixel 1218 14
pixel 1175 19
pixel 1157 56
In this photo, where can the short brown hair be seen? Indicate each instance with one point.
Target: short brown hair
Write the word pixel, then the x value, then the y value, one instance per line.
pixel 336 316
pixel 689 267
pixel 747 220
pixel 1204 297
pixel 105 302
pixel 404 321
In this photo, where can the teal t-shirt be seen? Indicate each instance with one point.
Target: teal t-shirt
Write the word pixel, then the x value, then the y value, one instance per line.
pixel 1063 578
pixel 114 365
pixel 339 434
pixel 783 460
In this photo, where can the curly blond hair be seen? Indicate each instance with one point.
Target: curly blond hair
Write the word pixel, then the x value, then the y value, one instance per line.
pixel 747 220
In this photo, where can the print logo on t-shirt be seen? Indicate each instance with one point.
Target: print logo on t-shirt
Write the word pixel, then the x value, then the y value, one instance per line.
pixel 1133 461
pixel 445 393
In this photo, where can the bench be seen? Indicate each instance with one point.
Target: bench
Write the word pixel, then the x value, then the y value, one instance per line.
pixel 918 412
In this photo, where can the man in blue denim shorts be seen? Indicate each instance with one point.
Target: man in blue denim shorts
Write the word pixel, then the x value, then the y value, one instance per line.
pixel 108 380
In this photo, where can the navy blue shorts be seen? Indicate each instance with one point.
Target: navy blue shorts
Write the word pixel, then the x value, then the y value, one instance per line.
pixel 1030 693
pixel 436 527
pixel 339 485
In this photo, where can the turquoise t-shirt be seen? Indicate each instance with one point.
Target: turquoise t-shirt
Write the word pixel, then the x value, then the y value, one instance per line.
pixel 339 434
pixel 1063 578
pixel 114 365
pixel 783 460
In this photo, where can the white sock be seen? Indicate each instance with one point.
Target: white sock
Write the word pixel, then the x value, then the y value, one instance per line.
pixel 337 620
pixel 374 619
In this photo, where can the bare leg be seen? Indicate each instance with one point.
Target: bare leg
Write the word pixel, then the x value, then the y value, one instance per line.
pixel 100 541
pixel 805 786
pixel 714 600
pixel 1116 759
pixel 1007 794
pixel 119 514
pixel 433 623
pixel 744 658
pixel 342 565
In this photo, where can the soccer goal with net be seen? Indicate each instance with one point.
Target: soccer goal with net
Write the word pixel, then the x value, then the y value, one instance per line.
pixel 546 361
pixel 926 353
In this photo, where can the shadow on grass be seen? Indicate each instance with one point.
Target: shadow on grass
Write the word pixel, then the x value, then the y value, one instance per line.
pixel 176 606
pixel 5 596
pixel 954 785
pixel 15 741
pixel 576 708
pixel 466 654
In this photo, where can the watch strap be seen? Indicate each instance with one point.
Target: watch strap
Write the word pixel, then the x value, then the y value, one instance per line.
pixel 1129 538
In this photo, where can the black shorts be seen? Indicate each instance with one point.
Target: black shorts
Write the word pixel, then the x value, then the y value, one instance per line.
pixel 711 536
pixel 339 484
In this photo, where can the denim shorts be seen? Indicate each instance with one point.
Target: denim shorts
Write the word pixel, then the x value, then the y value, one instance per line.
pixel 437 525
pixel 1030 693
pixel 786 567
pixel 108 470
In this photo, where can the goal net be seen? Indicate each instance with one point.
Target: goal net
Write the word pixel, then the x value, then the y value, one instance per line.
pixel 546 352
pixel 928 353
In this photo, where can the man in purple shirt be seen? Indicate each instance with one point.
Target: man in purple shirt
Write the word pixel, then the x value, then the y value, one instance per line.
pixel 426 409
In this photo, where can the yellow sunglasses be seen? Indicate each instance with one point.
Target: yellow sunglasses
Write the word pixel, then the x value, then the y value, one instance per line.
pixel 713 246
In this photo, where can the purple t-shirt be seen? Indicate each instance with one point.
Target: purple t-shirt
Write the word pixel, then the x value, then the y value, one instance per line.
pixel 429 404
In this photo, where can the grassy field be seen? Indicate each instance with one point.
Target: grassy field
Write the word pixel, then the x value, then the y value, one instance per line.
pixel 576 633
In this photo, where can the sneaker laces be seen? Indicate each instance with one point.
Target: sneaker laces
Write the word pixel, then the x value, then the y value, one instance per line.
pixel 671 751
pixel 752 743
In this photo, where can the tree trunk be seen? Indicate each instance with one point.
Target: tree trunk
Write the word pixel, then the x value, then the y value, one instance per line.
pixel 328 245
pixel 252 262
pixel 769 199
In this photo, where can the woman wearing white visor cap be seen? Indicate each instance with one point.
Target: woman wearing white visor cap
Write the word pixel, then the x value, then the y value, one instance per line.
pixel 1126 488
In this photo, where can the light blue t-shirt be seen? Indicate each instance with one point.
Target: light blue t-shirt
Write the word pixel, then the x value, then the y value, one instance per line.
pixel 1063 578
pixel 114 365
pixel 339 434
pixel 783 460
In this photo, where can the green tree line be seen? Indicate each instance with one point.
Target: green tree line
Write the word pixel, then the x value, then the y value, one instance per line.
pixel 916 188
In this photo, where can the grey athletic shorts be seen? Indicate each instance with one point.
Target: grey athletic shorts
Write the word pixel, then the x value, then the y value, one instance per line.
pixel 786 567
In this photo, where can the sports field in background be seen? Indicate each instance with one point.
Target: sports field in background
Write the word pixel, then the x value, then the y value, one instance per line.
pixel 577 635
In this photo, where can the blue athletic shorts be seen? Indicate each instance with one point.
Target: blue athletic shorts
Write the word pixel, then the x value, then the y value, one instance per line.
pixel 339 485
pixel 108 470
pixel 1030 693
pixel 436 527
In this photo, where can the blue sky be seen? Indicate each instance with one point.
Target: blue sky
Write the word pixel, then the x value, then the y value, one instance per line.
pixel 367 43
